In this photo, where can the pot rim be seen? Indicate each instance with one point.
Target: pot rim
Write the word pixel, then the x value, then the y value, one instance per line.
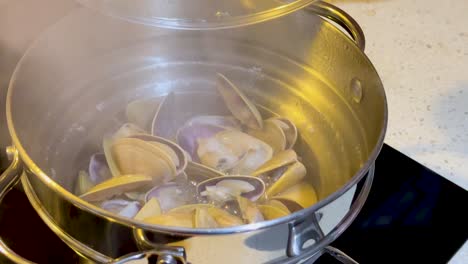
pixel 78 202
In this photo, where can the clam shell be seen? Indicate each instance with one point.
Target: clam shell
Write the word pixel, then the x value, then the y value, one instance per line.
pixel 83 183
pixel 279 160
pixel 225 122
pixel 240 107
pixel 116 186
pixel 249 187
pixel 175 152
pixel 121 207
pixel 223 218
pixel 172 219
pixel 198 172
pixel 298 197
pixel 278 204
pixel 165 120
pixel 293 175
pixel 135 156
pixel 142 111
pixel 272 134
pixel 169 195
pixel 233 151
pixel 127 130
pixel 203 219
pixel 151 208
pixel 289 130
pixel 107 146
pixel 250 212
pixel 136 196
pixel 189 208
pixel 98 169
pixel 188 135
pixel 271 212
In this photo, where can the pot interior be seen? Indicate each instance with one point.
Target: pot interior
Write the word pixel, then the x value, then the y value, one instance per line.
pixel 73 85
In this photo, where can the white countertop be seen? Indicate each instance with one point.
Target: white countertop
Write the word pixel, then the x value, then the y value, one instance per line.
pixel 420 49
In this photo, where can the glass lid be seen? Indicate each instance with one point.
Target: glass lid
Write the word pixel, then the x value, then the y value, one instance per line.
pixel 196 14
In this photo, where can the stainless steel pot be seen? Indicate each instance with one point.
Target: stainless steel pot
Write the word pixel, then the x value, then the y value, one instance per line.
pixel 86 68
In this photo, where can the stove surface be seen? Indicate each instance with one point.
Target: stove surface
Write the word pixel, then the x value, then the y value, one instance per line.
pixel 412 215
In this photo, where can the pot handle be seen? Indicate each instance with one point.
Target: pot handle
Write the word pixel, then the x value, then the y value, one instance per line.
pixel 342 18
pixel 8 179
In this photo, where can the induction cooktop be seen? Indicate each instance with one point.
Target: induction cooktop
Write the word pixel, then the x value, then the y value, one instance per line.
pixel 412 215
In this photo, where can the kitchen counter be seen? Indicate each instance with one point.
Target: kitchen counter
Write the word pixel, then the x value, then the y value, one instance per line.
pixel 419 47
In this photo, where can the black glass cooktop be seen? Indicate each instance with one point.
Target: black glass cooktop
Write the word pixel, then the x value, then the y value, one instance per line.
pixel 412 215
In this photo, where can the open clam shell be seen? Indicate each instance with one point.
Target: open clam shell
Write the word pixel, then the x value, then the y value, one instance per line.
pixel 272 134
pixel 98 169
pixel 240 107
pixel 234 152
pixel 203 219
pixel 188 135
pixel 280 159
pixel 250 212
pixel 293 175
pixel 136 156
pixel 228 187
pixel 298 197
pixel 116 186
pixel 172 219
pixel 198 172
pixel 121 207
pixel 151 208
pixel 165 119
pixel 271 212
pixel 127 130
pixel 169 195
pixel 223 218
pixel 289 130
pixel 225 122
pixel 141 112
pixel 177 154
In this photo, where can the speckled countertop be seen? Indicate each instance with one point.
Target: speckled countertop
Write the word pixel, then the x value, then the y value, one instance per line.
pixel 420 49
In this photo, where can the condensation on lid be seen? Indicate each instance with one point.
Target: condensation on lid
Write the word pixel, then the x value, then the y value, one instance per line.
pixel 196 14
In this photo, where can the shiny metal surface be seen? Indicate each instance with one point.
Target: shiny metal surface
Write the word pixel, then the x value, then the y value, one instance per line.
pixel 71 96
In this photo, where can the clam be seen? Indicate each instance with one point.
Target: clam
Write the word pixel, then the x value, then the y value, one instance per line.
pixel 116 186
pixel 298 197
pixel 203 219
pixel 290 177
pixel 164 121
pixel 250 212
pixel 228 187
pixel 176 153
pixel 225 122
pixel 121 207
pixel 169 195
pixel 127 130
pixel 135 156
pixel 172 219
pixel 136 195
pixel 240 107
pixel 279 160
pixel 83 183
pixel 234 152
pixel 289 130
pixel 197 172
pixel 141 112
pixel 98 168
pixel 270 212
pixel 281 206
pixel 272 134
pixel 223 218
pixel 188 135
pixel 151 208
